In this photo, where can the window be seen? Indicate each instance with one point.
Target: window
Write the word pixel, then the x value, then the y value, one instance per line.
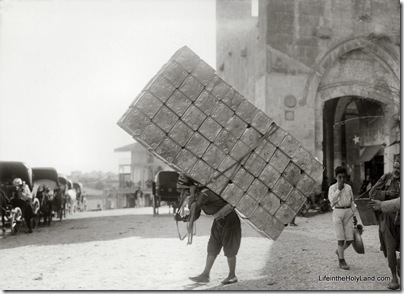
pixel 254 8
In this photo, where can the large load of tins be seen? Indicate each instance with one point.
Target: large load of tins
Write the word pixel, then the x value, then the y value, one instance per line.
pixel 191 119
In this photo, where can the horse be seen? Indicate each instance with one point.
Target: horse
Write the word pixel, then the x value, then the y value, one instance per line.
pixel 57 203
pixel 4 201
pixel 36 206
pixel 70 204
pixel 46 200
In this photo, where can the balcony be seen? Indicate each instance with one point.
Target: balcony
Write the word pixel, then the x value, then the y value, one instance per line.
pixel 125 161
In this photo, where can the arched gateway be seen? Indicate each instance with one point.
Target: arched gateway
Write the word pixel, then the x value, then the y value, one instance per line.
pixel 355 88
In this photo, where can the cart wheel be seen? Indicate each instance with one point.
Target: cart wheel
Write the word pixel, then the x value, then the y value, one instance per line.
pixel 16 220
pixel 15 228
pixel 175 207
pixel 155 206
pixel 35 206
pixel 35 211
pixel 64 210
pixel 35 221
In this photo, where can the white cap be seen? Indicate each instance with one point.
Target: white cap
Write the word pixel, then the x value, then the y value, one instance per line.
pixel 17 182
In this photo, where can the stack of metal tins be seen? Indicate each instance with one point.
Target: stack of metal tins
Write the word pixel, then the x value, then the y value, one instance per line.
pixel 191 119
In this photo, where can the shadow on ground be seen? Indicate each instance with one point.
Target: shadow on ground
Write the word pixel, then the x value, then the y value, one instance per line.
pixel 105 228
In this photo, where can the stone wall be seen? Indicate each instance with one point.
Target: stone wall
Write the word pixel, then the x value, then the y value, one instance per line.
pixel 310 51
pixel 233 20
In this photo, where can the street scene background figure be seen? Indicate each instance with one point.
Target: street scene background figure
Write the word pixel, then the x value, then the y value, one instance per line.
pixel 388 188
pixel 341 199
pixel 22 198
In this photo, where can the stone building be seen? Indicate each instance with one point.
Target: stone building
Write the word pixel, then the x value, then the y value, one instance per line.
pixel 327 71
pixel 137 170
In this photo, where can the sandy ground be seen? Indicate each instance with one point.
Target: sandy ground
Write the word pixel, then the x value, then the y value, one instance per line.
pixel 129 249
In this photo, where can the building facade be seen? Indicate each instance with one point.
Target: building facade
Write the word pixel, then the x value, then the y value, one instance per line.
pixel 326 71
pixel 137 169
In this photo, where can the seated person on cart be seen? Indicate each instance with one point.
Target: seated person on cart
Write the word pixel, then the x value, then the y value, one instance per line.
pixel 22 198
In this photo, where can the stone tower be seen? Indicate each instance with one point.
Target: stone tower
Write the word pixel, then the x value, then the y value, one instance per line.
pixel 327 71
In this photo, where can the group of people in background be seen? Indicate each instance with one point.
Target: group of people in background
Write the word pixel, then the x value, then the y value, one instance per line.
pixel 41 201
pixel 385 201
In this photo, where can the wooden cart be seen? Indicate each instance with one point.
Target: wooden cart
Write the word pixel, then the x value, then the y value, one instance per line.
pixel 165 189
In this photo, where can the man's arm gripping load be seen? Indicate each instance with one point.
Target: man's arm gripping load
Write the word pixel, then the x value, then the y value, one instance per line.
pixel 188 190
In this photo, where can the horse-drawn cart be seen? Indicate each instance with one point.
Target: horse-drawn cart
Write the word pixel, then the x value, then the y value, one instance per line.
pixel 165 189
pixel 13 217
pixel 68 194
pixel 46 186
pixel 79 199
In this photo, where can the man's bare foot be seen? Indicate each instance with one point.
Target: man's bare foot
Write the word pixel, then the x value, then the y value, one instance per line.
pixel 200 279
pixel 230 280
pixel 394 285
pixel 343 265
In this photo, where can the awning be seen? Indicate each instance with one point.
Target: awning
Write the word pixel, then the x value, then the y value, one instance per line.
pixel 125 148
pixel 395 142
pixel 369 152
pixel 131 147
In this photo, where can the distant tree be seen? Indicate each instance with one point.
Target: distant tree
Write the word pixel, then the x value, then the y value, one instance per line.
pixel 96 179
pixel 99 185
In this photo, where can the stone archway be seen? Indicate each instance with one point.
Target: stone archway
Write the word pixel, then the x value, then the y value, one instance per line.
pixel 384 55
pixel 348 121
pixel 318 91
pixel 342 103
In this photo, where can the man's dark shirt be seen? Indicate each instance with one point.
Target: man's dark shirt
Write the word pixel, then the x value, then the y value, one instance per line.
pixel 207 201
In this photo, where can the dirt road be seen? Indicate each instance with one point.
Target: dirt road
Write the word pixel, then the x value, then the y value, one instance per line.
pixel 129 249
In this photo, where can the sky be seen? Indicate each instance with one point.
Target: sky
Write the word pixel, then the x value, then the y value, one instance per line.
pixel 69 69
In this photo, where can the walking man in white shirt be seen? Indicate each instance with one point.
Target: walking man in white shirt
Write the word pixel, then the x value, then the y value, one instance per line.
pixel 342 201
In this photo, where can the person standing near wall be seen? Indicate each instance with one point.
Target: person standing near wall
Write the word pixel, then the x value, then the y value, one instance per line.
pixel 139 197
pixel 342 201
pixel 388 188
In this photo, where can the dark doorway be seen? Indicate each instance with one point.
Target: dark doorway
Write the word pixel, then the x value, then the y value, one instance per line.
pixel 130 200
pixel 374 169
pixel 350 125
